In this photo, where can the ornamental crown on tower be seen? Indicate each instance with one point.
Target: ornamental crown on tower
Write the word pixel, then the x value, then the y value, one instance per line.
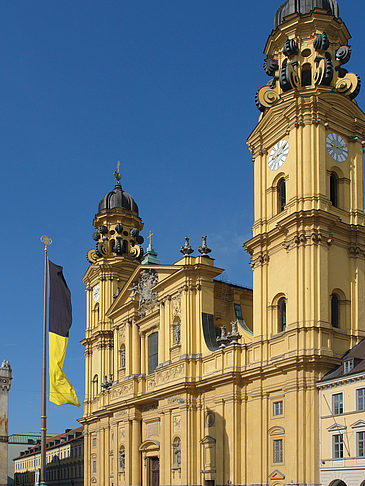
pixel 308 54
pixel 117 226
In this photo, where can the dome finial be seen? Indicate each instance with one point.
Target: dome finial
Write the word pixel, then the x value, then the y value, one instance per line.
pixel 117 173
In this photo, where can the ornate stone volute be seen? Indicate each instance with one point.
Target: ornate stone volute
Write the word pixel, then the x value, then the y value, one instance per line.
pixel 307 51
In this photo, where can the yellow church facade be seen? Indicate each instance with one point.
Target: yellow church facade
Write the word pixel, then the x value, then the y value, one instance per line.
pixel 194 381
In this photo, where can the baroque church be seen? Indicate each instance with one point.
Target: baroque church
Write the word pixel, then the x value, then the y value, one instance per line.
pixel 193 381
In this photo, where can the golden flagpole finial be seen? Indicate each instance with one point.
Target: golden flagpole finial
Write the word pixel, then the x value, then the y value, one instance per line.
pixel 46 240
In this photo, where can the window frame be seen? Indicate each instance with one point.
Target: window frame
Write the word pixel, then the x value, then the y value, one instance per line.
pixel 338 448
pixel 362 390
pixel 280 412
pixel 280 452
pixel 152 363
pixel 281 194
pixel 334 405
pixel 362 441
pixel 282 314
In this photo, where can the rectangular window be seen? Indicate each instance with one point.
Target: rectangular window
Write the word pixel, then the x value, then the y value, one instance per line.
pixel 278 408
pixel 278 451
pixel 94 441
pixel 360 399
pixel 152 352
pixel 337 446
pixel 337 404
pixel 360 444
pixel 348 366
pixel 94 467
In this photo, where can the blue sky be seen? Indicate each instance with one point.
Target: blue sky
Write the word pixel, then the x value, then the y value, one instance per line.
pixel 166 87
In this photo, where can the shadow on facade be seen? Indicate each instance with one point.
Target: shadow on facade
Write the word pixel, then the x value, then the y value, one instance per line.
pixel 215 451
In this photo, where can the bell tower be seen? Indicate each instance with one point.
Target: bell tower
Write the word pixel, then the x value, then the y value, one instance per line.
pixel 308 245
pixel 116 254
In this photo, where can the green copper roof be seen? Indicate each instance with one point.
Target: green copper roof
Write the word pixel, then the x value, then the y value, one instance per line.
pixel 150 257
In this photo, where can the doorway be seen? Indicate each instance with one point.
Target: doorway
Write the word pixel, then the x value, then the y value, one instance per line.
pixel 154 471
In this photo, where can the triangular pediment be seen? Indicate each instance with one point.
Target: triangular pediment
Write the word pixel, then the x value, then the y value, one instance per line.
pixel 358 423
pixel 126 294
pixel 277 475
pixel 335 427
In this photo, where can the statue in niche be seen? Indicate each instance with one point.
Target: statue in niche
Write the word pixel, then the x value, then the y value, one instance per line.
pixel 177 332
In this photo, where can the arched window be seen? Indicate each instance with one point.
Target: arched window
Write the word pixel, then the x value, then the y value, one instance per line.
pixel 281 195
pixel 335 314
pixel 177 452
pixel 282 314
pixel 152 352
pixel 95 386
pixel 334 189
pixel 306 74
pixel 122 356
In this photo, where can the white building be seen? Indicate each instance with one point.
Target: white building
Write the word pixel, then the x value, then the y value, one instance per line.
pixel 342 421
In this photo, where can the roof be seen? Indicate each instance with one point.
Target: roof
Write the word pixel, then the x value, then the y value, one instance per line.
pixel 27 438
pixel 55 441
pixel 117 198
pixel 357 353
pixel 302 7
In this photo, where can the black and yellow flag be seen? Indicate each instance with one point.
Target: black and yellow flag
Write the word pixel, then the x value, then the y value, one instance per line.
pixel 60 319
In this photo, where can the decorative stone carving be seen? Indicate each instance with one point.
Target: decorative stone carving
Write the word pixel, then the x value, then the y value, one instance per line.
pixel 288 76
pixel 271 66
pixel 143 288
pixel 177 332
pixel 290 48
pixel 349 85
pixel 265 98
pixel 176 306
pixel 324 70
pixel 203 249
pixel 321 42
pixel 343 54
pixel 186 250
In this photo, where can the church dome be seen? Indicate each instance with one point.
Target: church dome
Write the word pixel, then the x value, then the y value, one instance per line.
pixel 303 7
pixel 118 199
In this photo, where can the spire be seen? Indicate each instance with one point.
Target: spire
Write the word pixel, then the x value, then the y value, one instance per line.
pixel 150 257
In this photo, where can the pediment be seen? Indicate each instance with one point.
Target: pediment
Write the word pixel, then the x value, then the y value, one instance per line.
pixel 335 427
pixel 277 475
pixel 149 445
pixel 208 440
pixel 358 423
pixel 128 292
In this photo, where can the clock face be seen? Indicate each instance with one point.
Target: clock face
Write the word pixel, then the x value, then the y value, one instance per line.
pixel 278 155
pixel 337 147
pixel 96 293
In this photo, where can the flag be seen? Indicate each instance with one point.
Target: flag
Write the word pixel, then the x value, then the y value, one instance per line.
pixel 60 319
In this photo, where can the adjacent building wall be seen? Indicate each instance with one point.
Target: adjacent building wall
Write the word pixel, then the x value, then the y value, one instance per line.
pixel 5 383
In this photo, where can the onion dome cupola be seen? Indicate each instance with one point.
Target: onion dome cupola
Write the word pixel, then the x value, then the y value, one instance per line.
pixel 307 51
pixel 304 6
pixel 117 226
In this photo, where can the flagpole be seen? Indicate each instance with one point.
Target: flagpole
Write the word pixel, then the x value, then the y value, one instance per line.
pixel 47 241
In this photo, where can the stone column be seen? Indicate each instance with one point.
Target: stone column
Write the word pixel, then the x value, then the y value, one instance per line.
pixel 5 383
pixel 135 453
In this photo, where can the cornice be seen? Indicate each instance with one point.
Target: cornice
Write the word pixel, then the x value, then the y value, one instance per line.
pixel 343 380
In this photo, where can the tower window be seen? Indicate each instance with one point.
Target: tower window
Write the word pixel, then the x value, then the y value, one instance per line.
pixel 335 314
pixel 281 195
pixel 306 75
pixel 334 189
pixel 152 352
pixel 282 315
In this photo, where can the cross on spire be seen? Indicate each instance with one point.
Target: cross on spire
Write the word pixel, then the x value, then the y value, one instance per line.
pixel 150 237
